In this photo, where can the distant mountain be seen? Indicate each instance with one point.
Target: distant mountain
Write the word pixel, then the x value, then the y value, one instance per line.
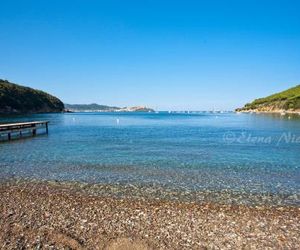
pixel 17 99
pixel 285 101
pixel 103 108
pixel 89 107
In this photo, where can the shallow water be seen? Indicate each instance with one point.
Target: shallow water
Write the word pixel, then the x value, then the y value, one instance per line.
pixel 186 153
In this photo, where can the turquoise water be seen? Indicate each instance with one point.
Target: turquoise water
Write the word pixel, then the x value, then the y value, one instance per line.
pixel 204 152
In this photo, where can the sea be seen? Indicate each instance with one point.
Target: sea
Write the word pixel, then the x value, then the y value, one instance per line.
pixel 235 158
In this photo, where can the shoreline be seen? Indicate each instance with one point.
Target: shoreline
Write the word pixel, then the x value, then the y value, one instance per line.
pixel 279 112
pixel 45 215
pixel 150 192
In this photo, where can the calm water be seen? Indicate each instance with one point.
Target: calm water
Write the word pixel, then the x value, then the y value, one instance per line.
pixel 242 154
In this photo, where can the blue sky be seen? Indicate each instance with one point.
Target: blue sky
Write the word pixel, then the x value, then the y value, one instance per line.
pixel 164 54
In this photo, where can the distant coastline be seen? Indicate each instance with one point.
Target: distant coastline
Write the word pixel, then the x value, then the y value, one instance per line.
pixel 103 108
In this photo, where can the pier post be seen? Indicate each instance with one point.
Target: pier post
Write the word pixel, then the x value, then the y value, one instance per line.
pixel 34 131
pixel 9 136
pixel 47 127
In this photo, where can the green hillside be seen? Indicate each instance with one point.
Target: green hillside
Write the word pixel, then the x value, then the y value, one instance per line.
pixel 288 100
pixel 15 99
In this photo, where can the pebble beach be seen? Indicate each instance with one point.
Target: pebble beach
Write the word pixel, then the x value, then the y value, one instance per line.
pixel 48 216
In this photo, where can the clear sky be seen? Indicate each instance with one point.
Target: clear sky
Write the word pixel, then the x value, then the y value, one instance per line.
pixel 165 54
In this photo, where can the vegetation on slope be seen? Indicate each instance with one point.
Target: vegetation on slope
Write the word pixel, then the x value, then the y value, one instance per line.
pixel 16 99
pixel 288 100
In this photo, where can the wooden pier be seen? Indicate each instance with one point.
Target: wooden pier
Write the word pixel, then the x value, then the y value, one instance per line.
pixel 8 130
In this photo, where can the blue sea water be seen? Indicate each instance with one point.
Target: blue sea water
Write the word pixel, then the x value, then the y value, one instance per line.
pixel 198 152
